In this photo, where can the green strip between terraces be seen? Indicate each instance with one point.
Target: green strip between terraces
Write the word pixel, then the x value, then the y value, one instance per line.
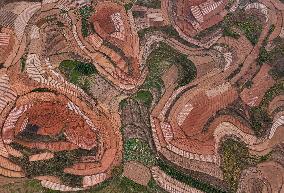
pixel 259 114
pixel 86 12
pixel 187 179
pixel 53 166
pixel 168 31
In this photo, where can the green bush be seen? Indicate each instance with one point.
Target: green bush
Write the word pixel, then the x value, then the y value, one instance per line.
pixel 138 14
pixel 86 11
pixel 274 91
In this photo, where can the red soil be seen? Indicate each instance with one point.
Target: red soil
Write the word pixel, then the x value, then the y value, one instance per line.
pixel 104 26
pixel 203 109
pixel 261 83
pixel 103 22
pixel 6 49
pixel 52 118
pixel 183 10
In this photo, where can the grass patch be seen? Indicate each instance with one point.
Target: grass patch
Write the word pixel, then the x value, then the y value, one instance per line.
pixel 274 91
pixel 122 104
pixel 138 14
pixel 227 31
pixel 54 166
pixel 264 56
pixel 235 72
pixel 86 11
pixel 275 57
pixel 121 185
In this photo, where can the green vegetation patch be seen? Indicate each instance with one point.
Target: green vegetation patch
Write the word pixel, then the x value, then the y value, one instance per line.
pixel 228 31
pixel 75 70
pixel 260 120
pixel 229 4
pixel 28 186
pixel 138 14
pixel 156 4
pixel 41 90
pixel 265 56
pixel 138 150
pixel 235 158
pixel 23 60
pixel 182 177
pixel 274 57
pixel 161 59
pixel 169 31
pixel 53 166
pixel 121 185
pixel 128 6
pixel 144 96
pixel 116 185
pixel 274 91
pixel 86 12
pixel 249 24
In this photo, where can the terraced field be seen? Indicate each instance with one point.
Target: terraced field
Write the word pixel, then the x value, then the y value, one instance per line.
pixel 142 96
